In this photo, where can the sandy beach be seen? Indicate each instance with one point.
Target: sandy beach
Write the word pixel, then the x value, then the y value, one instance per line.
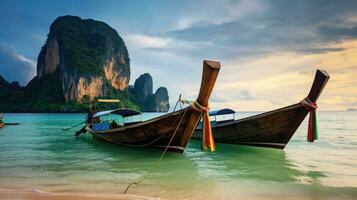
pixel 42 195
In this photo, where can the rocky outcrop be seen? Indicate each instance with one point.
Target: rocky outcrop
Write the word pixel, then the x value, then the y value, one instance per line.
pixel 86 53
pixel 49 57
pixel 143 89
pixel 143 86
pixel 3 84
pixel 80 60
pixel 161 100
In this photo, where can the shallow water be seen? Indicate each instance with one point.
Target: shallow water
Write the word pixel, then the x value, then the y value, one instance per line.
pixel 38 156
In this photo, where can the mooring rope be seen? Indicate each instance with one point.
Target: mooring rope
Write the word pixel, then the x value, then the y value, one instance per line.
pixel 162 156
pixel 207 137
pixel 312 132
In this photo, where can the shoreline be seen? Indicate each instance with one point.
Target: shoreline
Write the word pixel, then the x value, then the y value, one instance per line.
pixel 38 194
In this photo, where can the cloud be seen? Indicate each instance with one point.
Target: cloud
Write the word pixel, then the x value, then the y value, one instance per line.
pixel 320 50
pixel 209 13
pixel 248 28
pixel 269 51
pixel 137 41
pixel 337 33
pixel 14 66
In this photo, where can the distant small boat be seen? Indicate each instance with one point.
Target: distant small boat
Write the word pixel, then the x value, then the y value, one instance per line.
pixel 2 124
pixel 271 129
pixel 171 131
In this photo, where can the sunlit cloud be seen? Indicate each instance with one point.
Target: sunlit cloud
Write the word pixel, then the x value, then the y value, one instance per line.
pixel 137 41
pixel 285 78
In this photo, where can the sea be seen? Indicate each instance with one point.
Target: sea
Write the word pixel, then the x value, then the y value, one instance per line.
pixel 37 157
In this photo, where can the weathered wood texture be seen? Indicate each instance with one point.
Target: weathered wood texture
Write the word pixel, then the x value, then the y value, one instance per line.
pixel 271 129
pixel 157 132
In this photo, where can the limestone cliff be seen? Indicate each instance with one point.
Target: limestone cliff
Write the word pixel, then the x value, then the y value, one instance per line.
pixel 80 60
pixel 161 101
pixel 143 86
pixel 143 89
pixel 86 53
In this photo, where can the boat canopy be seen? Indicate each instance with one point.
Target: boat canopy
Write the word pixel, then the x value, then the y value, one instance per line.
pixel 224 111
pixel 124 112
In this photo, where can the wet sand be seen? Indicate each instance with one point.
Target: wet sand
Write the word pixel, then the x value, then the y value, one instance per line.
pixel 42 195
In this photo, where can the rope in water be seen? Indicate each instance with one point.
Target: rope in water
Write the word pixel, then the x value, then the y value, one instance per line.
pixel 312 132
pixel 162 156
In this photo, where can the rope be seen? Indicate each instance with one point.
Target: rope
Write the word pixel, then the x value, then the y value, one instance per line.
pixel 162 156
pixel 177 103
pixel 207 137
pixel 312 132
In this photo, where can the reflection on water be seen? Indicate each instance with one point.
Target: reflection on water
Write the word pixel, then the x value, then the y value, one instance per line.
pixel 37 154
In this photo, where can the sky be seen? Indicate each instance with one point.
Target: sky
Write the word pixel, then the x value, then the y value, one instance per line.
pixel 269 50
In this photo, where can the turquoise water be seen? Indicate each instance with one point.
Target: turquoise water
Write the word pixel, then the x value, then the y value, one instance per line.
pixel 37 155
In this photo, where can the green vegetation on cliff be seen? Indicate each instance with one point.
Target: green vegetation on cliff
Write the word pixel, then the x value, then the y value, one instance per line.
pixel 85 43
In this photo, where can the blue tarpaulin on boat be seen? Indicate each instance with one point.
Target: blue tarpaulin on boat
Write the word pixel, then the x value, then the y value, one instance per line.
pixel 224 111
pixel 101 126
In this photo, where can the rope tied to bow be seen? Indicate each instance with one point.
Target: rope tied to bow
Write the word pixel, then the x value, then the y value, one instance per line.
pixel 312 132
pixel 207 137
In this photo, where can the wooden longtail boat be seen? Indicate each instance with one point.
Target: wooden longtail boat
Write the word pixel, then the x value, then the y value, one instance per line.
pixel 271 129
pixel 172 130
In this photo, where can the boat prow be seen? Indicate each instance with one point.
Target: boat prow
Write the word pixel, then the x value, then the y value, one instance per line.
pixel 271 129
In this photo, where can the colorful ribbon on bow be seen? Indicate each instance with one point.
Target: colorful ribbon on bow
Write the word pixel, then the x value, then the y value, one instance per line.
pixel 312 132
pixel 207 137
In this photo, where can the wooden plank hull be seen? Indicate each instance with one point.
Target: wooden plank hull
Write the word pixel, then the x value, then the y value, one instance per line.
pixel 272 129
pixel 171 131
pixel 155 133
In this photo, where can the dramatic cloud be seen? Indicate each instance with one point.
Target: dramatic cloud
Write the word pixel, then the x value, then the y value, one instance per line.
pixel 14 66
pixel 269 49
pixel 264 27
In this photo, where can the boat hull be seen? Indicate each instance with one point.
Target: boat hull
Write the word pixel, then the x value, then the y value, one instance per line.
pixel 155 133
pixel 171 131
pixel 271 129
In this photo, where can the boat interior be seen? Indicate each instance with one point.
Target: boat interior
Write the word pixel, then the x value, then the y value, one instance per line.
pixel 220 116
pixel 105 120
